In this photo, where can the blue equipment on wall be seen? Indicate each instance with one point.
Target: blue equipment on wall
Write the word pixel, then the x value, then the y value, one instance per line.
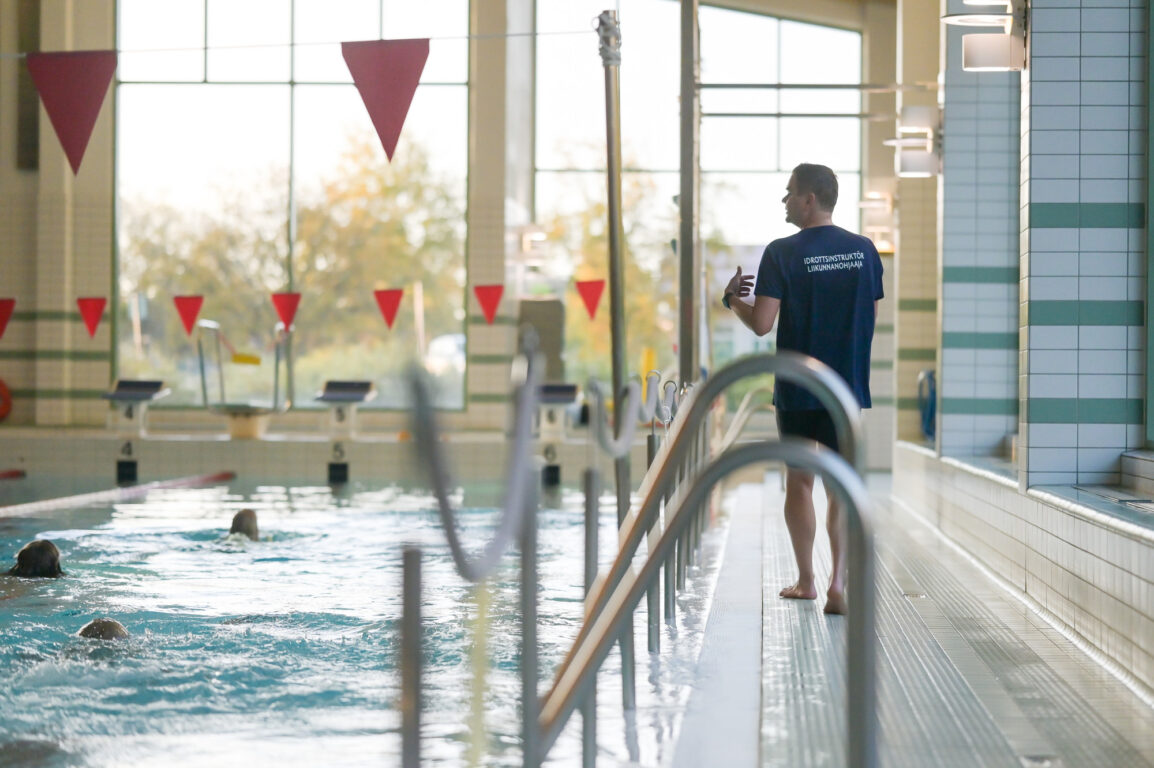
pixel 927 402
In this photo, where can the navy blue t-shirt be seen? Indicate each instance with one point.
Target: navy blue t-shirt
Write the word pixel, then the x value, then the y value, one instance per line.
pixel 827 279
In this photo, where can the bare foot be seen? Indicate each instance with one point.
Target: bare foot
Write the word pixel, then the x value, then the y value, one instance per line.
pixel 835 601
pixel 798 592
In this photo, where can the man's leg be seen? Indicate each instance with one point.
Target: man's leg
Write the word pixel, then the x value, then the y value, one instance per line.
pixel 835 597
pixel 802 524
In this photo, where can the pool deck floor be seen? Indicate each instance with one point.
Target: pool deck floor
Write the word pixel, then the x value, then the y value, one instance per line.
pixel 968 675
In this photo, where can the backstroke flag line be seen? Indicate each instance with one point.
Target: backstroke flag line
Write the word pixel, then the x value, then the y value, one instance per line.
pixel 386 73
pixel 389 299
pixel 91 310
pixel 72 85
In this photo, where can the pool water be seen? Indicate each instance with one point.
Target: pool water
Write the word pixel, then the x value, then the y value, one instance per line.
pixel 284 650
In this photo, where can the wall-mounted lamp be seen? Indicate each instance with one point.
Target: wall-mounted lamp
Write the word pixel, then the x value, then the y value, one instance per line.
pixel 1004 51
pixel 918 154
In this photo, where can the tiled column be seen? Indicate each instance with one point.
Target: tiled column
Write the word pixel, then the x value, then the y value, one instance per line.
pixel 916 244
pixel 1083 239
pixel 74 254
pixel 490 346
pixel 978 378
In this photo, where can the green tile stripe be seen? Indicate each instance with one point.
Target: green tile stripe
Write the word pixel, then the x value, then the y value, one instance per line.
pixel 980 406
pixel 1071 410
pixel 1088 215
pixel 882 402
pixel 498 320
pixel 881 365
pixel 55 354
pixel 917 305
pixel 917 353
pixel 482 397
pixel 491 359
pixel 57 394
pixel 883 327
pixel 1085 312
pixel 907 404
pixel 980 340
pixel 47 314
pixel 1003 275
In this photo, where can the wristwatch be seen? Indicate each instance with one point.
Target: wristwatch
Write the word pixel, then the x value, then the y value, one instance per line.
pixel 725 299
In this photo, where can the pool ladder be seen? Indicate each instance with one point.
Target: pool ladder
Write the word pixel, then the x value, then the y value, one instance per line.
pixel 682 474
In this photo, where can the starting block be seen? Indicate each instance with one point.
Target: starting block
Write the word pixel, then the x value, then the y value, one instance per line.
pixel 343 397
pixel 129 399
pixel 552 414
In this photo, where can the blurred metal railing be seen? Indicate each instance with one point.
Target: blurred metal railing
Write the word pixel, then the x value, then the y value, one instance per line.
pixel 682 475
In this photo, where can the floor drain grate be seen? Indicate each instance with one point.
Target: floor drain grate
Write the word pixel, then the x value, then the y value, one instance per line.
pixel 915 595
pixel 1040 761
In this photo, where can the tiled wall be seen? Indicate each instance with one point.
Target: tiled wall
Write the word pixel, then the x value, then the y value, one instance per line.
pixel 978 379
pixel 1083 243
pixel 916 222
pixel 1091 573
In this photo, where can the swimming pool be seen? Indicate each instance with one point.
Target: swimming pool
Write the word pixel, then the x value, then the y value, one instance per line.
pixel 284 649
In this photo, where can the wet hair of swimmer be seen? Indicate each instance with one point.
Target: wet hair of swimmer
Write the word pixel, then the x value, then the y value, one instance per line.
pixel 245 522
pixel 103 629
pixel 37 559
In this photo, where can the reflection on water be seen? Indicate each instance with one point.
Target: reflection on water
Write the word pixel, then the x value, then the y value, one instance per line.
pixel 284 650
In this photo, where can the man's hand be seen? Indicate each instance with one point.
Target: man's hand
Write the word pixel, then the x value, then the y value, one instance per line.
pixel 739 284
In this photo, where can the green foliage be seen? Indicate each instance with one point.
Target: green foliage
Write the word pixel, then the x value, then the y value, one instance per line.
pixel 370 225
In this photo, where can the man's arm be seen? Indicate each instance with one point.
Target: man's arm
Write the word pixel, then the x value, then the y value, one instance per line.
pixel 760 316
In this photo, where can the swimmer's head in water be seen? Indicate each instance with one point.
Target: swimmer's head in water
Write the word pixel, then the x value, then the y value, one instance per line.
pixel 37 559
pixel 245 522
pixel 104 629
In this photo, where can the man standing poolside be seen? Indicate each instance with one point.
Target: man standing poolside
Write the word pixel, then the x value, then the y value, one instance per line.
pixel 825 282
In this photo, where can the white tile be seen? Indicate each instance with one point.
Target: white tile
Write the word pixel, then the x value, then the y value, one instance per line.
pixel 1050 361
pixel 1105 20
pixel 1057 20
pixel 1105 385
pixel 1053 337
pixel 1102 337
pixel 1103 239
pixel 1053 460
pixel 1103 191
pixel 1102 361
pixel 1053 288
pixel 1056 44
pixel 1053 191
pixel 1100 459
pixel 1103 264
pixel 1053 385
pixel 1104 166
pixel 1104 43
pixel 1103 289
pixel 1054 435
pixel 1105 68
pixel 1101 435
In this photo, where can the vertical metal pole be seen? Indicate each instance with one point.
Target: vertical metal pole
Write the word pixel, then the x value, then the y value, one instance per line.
pixel 530 706
pixel 411 660
pixel 610 35
pixel 592 484
pixel 687 203
pixel 653 596
pixel 861 674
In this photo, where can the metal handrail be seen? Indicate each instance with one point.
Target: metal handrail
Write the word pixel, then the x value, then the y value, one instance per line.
pixel 830 390
pixel 743 414
pixel 593 646
pixel 429 449
pixel 281 337
pixel 630 408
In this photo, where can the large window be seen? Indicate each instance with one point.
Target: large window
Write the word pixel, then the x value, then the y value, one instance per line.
pixel 746 157
pixel 248 165
pixel 751 138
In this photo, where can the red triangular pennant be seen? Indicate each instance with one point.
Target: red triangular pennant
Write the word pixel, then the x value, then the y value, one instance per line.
pixel 6 307
pixel 286 307
pixel 489 297
pixel 388 300
pixel 189 308
pixel 590 291
pixel 386 73
pixel 72 85
pixel 91 309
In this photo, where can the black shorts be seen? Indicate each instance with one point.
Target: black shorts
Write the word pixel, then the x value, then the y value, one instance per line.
pixel 814 425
